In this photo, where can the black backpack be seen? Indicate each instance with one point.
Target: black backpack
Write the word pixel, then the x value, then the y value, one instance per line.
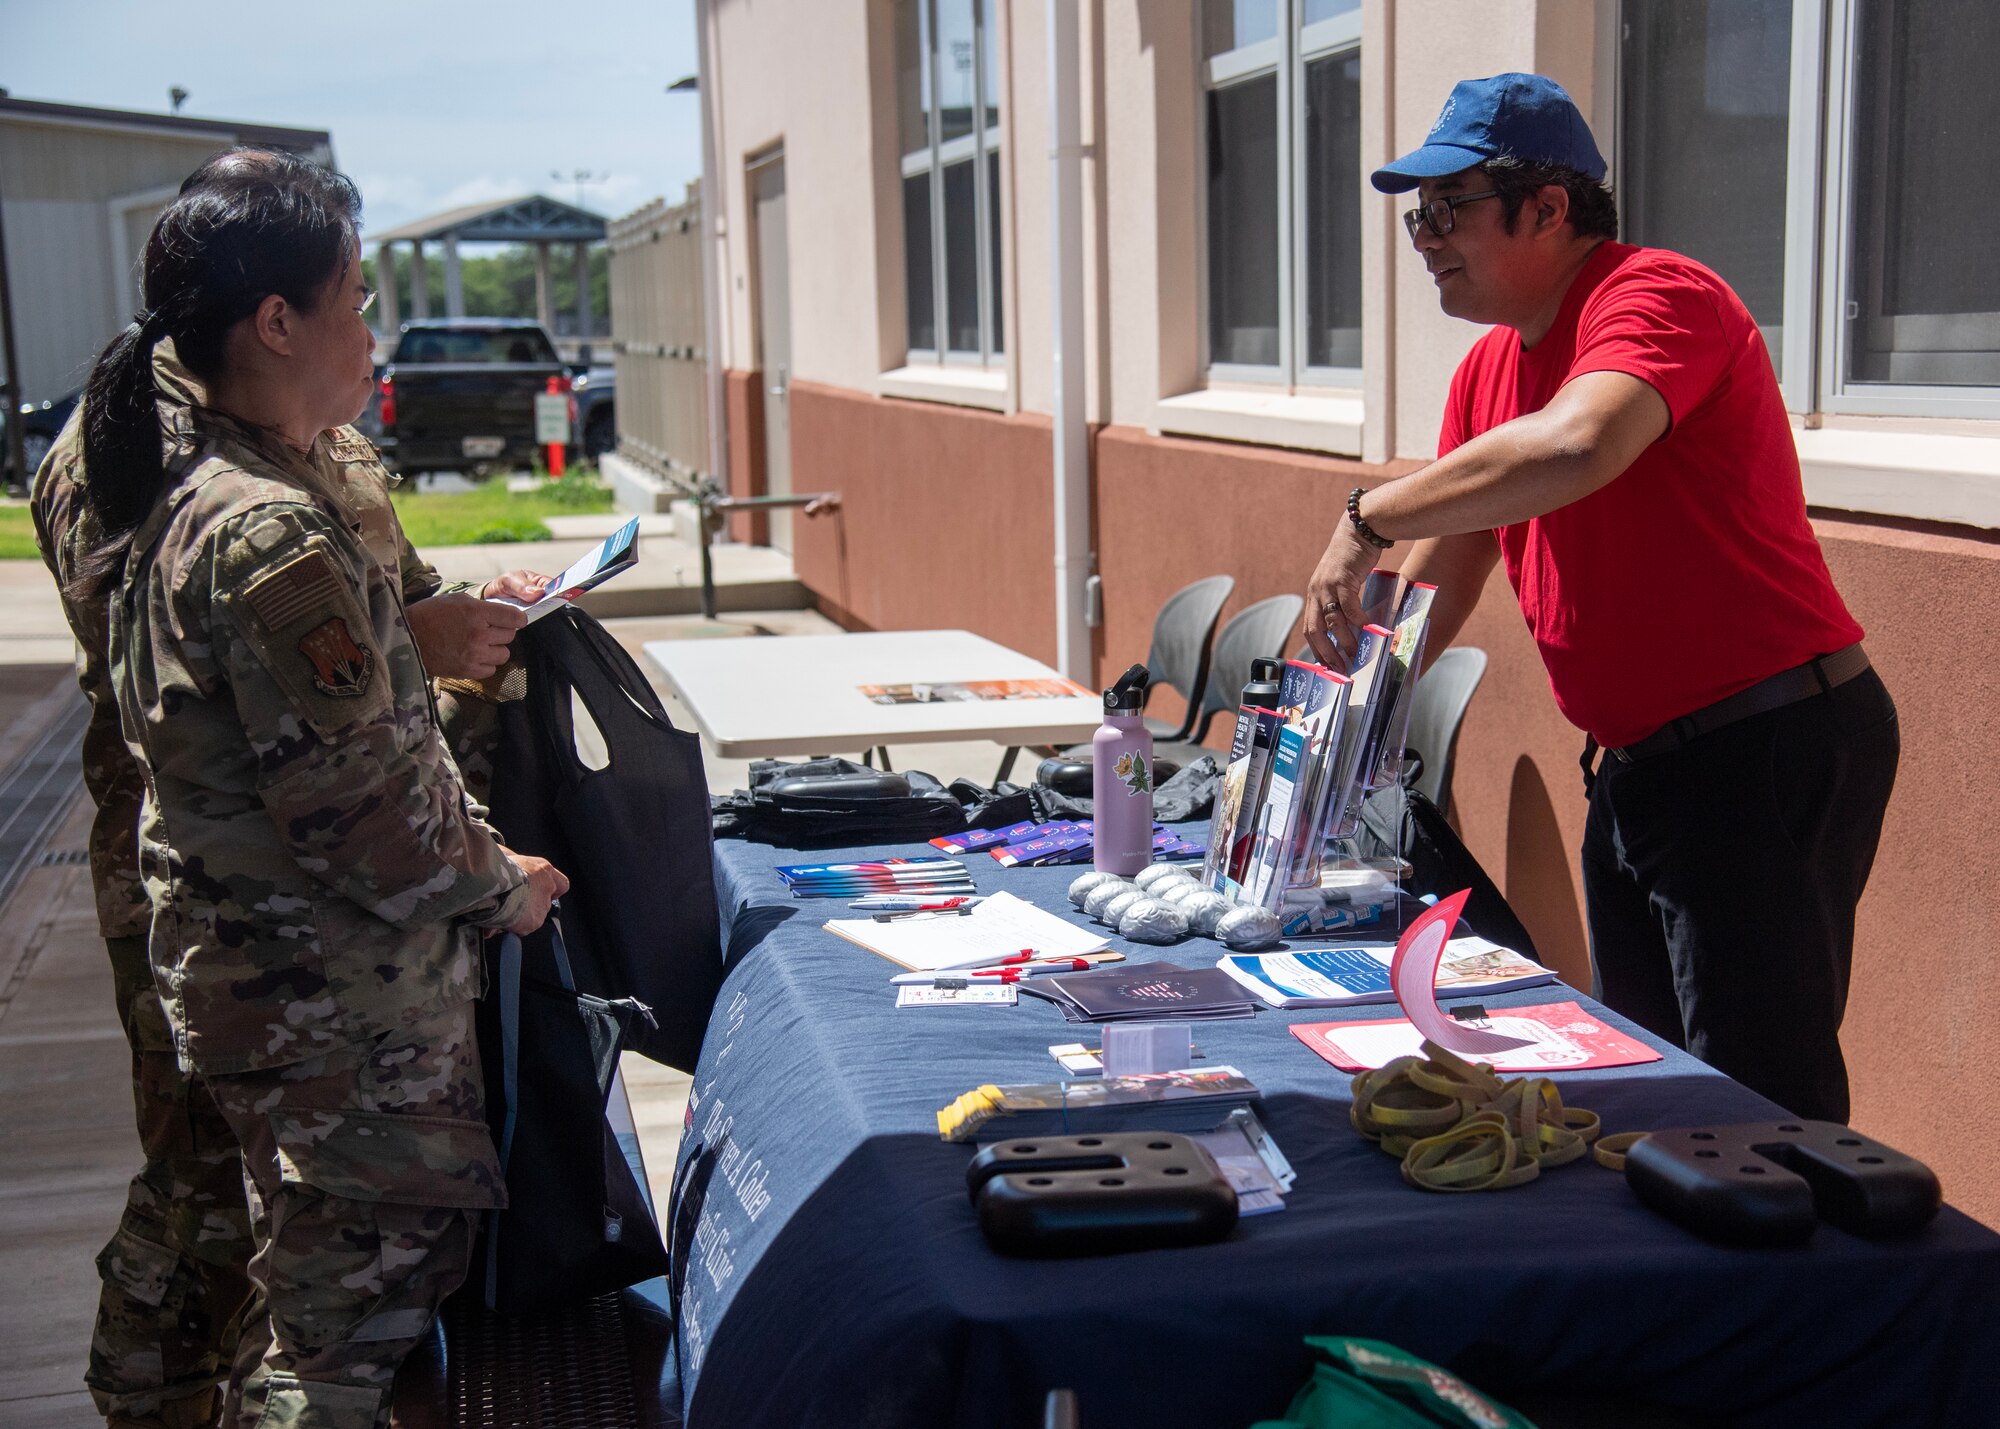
pixel 633 837
pixel 1440 863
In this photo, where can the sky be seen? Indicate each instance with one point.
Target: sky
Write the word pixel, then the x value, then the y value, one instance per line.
pixel 431 103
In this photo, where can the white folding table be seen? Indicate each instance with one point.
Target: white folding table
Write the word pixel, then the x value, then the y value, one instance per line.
pixel 801 694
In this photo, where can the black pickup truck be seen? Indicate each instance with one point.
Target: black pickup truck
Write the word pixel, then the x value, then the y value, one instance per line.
pixel 459 394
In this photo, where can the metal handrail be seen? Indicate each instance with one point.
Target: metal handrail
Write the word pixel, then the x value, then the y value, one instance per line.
pixel 710 503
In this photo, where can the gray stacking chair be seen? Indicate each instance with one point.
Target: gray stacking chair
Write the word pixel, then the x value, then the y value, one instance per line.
pixel 1253 633
pixel 1444 689
pixel 1182 633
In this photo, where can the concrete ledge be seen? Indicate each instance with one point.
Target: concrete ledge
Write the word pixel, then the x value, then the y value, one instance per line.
pixel 1328 422
pixel 635 489
pixel 1926 476
pixel 948 383
pixel 609 602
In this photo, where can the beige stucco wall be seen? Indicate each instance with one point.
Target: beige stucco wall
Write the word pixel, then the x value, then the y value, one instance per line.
pixel 1433 48
pixel 799 75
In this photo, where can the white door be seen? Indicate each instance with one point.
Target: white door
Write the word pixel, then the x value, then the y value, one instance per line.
pixel 774 333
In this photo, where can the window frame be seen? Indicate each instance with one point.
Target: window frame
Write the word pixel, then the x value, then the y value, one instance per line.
pixel 979 147
pixel 1837 394
pixel 1286 54
pixel 1819 241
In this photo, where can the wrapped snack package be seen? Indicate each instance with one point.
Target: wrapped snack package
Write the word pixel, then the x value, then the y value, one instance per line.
pixel 1085 882
pixel 1151 921
pixel 1241 928
pixel 1094 901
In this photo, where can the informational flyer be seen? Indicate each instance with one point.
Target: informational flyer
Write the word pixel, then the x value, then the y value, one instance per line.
pixel 965 691
pixel 1555 1037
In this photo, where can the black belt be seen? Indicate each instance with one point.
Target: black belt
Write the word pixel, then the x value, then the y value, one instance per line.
pixel 1787 687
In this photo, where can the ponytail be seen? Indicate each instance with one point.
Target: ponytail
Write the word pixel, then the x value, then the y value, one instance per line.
pixel 122 455
pixel 246 225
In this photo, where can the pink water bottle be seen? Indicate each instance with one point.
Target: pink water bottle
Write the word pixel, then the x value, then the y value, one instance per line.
pixel 1121 757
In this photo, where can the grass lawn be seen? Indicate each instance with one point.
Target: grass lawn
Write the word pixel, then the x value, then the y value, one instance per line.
pixel 17 533
pixel 431 518
pixel 491 513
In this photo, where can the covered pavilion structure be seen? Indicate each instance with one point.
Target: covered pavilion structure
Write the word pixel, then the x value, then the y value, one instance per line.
pixel 535 220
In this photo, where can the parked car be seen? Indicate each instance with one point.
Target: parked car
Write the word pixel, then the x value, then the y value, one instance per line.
pixel 41 423
pixel 593 411
pixel 459 394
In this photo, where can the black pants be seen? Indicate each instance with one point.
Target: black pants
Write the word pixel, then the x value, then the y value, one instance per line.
pixel 1721 880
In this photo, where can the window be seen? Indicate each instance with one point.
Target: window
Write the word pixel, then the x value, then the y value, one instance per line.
pixel 1814 153
pixel 948 121
pixel 1704 124
pixel 1282 100
pixel 1922 297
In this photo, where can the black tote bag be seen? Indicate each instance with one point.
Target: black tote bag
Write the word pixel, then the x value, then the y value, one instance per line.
pixel 634 837
pixel 577 1223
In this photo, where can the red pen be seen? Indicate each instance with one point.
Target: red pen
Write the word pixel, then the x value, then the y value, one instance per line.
pixel 1053 965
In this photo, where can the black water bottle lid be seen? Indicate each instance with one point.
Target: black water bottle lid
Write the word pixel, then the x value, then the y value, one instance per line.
pixel 1128 695
pixel 1266 676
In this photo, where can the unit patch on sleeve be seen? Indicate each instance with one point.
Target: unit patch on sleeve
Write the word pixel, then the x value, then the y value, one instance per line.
pixel 341 667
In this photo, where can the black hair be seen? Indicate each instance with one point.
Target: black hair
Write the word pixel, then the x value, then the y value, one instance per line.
pixel 247 224
pixel 1592 209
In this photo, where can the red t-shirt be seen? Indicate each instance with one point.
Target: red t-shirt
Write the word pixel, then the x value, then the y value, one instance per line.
pixel 1693 574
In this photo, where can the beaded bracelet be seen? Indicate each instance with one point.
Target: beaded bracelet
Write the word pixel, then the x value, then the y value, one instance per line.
pixel 1354 516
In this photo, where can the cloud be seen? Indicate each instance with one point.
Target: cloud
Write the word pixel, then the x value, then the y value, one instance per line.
pixel 431 105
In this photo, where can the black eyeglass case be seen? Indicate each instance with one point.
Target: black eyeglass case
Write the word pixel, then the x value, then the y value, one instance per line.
pixel 1771 1183
pixel 1051 1196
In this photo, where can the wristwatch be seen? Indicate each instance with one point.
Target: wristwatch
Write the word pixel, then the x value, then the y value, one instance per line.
pixel 1362 528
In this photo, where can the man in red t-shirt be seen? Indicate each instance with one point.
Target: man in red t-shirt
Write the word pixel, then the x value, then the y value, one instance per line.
pixel 1618 439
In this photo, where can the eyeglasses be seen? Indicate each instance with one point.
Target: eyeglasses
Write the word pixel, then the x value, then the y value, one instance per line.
pixel 367 302
pixel 1438 215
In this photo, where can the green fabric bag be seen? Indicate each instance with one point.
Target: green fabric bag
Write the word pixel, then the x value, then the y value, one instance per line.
pixel 1366 1384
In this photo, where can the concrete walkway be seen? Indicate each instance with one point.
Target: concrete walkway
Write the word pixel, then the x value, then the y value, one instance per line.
pixel 667 580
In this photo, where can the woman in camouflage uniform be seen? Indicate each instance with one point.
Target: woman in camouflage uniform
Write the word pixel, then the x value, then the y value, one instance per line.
pixel 318 875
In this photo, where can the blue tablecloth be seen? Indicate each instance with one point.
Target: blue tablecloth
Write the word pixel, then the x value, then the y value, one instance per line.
pixel 833 1272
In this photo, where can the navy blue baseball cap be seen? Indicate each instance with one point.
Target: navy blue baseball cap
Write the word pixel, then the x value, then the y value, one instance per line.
pixel 1521 116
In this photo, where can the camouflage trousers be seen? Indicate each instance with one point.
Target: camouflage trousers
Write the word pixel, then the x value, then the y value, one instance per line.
pixel 367 1168
pixel 175 1294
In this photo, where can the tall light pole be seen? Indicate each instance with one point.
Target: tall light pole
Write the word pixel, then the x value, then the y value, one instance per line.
pixel 579 177
pixel 16 460
pixel 701 85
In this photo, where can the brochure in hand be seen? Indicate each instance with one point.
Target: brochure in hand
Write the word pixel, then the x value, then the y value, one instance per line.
pixel 1359 973
pixel 614 555
pixel 1368 682
pixel 1392 710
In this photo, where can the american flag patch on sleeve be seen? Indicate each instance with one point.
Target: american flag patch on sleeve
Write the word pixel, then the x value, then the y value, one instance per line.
pixel 300 587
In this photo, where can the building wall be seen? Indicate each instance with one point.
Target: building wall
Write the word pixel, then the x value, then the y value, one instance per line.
pixel 947 518
pixel 81 197
pixel 798 75
pixel 938 507
pixel 66 231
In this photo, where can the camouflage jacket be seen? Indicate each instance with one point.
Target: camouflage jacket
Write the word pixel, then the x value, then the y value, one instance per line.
pixel 109 771
pixel 315 866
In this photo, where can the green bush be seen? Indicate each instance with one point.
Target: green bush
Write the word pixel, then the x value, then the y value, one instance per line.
pixel 524 529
